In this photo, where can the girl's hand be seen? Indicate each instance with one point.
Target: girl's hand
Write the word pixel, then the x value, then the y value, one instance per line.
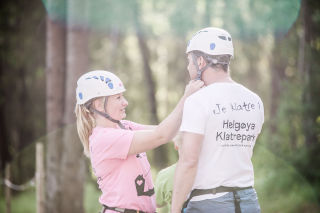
pixel 192 87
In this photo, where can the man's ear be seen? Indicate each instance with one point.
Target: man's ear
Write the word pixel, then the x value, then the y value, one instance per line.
pixel 201 62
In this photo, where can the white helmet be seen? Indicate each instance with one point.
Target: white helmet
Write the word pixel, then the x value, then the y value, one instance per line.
pixel 98 83
pixel 212 41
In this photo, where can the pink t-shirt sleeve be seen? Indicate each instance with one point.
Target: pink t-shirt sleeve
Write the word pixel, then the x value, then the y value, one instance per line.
pixel 111 143
pixel 132 125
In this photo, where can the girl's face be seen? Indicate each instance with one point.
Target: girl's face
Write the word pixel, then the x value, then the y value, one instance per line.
pixel 116 106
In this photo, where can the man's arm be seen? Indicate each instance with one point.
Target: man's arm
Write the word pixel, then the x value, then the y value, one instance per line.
pixel 186 169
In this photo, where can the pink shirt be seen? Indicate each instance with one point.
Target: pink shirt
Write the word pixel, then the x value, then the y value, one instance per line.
pixel 125 181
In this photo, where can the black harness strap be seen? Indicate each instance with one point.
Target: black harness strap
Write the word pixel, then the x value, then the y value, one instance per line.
pixel 234 190
pixel 105 207
pixel 108 117
pixel 236 198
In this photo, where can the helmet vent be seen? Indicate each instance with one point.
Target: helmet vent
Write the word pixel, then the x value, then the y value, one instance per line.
pixel 223 37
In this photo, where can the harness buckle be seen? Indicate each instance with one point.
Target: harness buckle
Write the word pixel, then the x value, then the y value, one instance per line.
pixel 214 191
pixel 119 209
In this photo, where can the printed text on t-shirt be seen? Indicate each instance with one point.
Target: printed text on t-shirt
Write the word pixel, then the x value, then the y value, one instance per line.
pixel 243 106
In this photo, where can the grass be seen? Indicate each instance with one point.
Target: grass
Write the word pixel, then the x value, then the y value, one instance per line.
pixel 91 198
pixel 25 202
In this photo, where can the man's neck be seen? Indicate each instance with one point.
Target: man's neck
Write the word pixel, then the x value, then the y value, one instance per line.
pixel 213 76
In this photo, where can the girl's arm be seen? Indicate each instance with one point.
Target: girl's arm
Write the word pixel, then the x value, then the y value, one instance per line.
pixel 144 140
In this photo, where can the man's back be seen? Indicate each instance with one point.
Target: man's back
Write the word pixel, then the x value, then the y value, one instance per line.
pixel 230 117
pixel 220 125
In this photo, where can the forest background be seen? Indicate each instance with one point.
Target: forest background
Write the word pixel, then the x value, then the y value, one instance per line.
pixel 46 45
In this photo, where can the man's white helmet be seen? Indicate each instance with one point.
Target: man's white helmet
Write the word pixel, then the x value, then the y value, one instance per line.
pixel 212 41
pixel 98 83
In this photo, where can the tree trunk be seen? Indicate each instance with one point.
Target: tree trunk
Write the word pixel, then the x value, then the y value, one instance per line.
pixel 160 157
pixel 311 99
pixel 115 39
pixel 278 65
pixel 311 69
pixel 72 162
pixel 149 79
pixel 55 75
pixel 4 147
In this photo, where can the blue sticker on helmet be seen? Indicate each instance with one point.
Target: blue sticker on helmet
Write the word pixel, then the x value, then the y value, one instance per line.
pixel 212 46
pixel 108 81
pixel 80 95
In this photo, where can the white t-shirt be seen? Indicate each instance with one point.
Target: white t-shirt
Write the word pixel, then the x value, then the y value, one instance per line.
pixel 230 117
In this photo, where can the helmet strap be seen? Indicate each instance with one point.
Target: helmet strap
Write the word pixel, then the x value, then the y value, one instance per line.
pixel 105 104
pixel 105 114
pixel 199 71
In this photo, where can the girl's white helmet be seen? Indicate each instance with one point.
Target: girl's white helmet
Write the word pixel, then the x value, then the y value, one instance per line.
pixel 212 41
pixel 98 83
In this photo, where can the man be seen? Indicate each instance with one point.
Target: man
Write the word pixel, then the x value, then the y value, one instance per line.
pixel 220 125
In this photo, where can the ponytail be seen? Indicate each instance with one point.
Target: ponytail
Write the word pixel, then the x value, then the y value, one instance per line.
pixel 85 124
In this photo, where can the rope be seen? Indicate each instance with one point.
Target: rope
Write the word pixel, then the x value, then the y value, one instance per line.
pixel 22 187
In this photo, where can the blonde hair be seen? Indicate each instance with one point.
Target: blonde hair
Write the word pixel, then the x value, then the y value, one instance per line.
pixel 85 124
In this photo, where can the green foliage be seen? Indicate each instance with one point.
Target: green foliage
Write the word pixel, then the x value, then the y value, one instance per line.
pixel 286 161
pixel 280 187
pixel 98 15
pixel 251 18
pixel 289 137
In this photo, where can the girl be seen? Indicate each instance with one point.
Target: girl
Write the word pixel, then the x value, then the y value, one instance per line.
pixel 117 147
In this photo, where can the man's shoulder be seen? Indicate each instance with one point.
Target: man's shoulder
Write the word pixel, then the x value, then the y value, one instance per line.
pixel 221 91
pixel 214 90
pixel 201 94
pixel 245 90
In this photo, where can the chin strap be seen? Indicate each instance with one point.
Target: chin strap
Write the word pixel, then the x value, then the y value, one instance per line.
pixel 104 114
pixel 199 71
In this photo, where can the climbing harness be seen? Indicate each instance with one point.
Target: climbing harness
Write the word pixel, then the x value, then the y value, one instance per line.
pixel 234 190
pixel 123 210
